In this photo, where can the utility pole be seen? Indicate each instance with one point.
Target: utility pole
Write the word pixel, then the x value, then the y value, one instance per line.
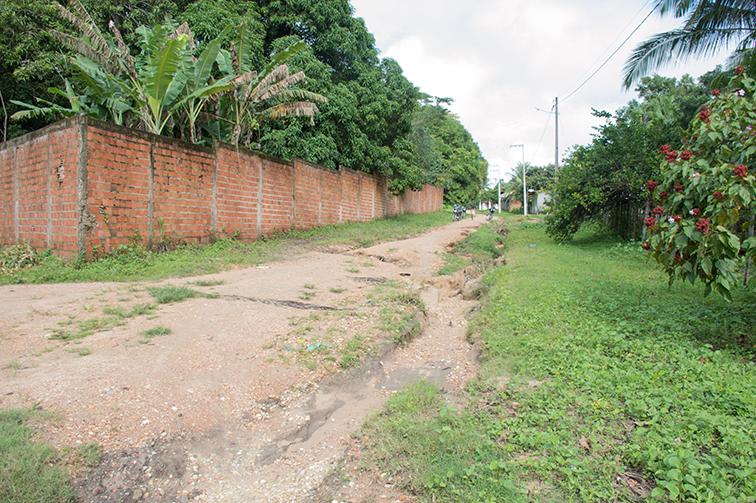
pixel 524 182
pixel 556 135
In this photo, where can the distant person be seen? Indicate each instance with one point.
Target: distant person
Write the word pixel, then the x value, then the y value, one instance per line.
pixel 472 213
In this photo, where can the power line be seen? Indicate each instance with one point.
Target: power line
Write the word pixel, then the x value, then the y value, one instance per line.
pixel 540 141
pixel 578 88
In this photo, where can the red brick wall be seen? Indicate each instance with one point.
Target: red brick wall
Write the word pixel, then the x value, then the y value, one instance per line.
pixel 118 184
pixel 182 191
pixel 134 185
pixel 238 181
pixel 38 188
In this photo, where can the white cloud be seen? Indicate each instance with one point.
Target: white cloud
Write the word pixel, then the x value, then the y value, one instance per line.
pixel 500 59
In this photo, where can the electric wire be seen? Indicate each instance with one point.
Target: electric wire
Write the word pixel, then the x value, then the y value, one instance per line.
pixel 578 88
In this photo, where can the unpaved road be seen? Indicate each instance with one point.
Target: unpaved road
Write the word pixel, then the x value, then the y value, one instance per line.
pixel 232 405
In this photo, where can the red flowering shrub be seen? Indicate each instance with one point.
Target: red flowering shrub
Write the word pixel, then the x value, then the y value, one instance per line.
pixel 651 185
pixel 702 226
pixel 715 92
pixel 711 195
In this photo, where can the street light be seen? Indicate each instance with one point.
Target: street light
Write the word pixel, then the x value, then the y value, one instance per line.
pixel 524 183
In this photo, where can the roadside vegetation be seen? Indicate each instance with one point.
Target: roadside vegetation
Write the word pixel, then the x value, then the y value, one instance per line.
pixel 132 263
pixel 29 469
pixel 479 249
pixel 597 383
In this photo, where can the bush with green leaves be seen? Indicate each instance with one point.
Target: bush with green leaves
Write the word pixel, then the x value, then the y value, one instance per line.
pixel 702 217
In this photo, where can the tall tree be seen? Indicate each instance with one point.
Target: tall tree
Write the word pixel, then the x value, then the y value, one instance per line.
pixel 708 26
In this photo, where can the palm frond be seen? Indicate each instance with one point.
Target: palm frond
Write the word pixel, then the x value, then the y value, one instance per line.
pixel 709 26
pixel 264 81
pixel 299 95
pixel 128 60
pixel 80 18
pixel 272 90
pixel 293 109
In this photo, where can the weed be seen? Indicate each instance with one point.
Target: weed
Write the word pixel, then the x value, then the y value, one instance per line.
pixel 80 351
pixel 207 282
pixel 309 286
pixel 353 351
pixel 90 454
pixel 479 249
pixel 114 316
pixel 14 366
pixel 29 470
pixel 308 295
pixel 169 293
pixel 337 290
pixel 353 270
pixel 151 333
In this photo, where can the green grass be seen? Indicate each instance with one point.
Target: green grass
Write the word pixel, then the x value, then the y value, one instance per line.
pixel 114 317
pixel 151 333
pixel 169 293
pixel 593 372
pixel 81 351
pixel 30 471
pixel 353 351
pixel 133 263
pixel 337 289
pixel 479 248
pixel 207 282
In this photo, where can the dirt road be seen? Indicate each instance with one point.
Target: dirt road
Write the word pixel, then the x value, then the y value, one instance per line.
pixel 254 392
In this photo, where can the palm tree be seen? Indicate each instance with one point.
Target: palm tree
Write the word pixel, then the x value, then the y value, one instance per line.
pixel 709 25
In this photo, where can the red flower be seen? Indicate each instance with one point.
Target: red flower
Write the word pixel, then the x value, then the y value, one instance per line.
pixel 741 170
pixel 658 210
pixel 650 221
pixel 678 187
pixel 703 225
pixel 695 212
pixel 651 185
pixel 715 92
pixel 671 156
pixel 705 114
pixel 676 218
pixel 663 149
pixel 718 195
pixel 646 245
pixel 663 195
pixel 740 69
pixel 686 155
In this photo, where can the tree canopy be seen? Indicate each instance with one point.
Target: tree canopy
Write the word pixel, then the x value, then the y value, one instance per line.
pixel 375 119
pixel 604 181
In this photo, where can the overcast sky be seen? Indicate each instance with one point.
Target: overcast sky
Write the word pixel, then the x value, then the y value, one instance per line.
pixel 500 59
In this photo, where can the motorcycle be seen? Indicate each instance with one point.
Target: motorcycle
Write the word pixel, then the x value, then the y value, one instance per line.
pixel 458 212
pixel 490 214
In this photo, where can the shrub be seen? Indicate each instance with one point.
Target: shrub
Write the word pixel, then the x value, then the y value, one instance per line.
pixel 701 224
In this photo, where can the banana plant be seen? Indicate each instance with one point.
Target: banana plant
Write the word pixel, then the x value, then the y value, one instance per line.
pixel 200 86
pixel 77 105
pixel 269 94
